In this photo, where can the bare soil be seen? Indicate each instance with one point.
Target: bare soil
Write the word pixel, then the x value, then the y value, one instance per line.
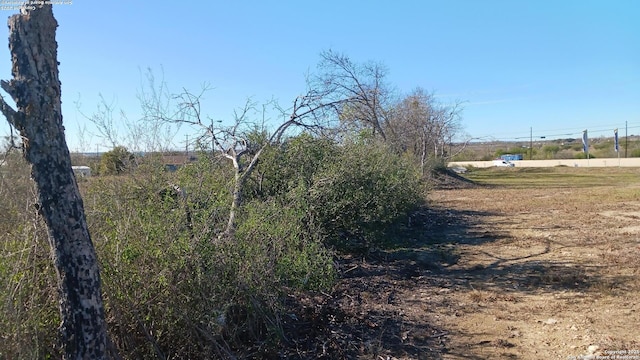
pixel 488 273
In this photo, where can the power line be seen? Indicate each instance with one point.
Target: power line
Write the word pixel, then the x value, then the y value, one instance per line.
pixel 553 133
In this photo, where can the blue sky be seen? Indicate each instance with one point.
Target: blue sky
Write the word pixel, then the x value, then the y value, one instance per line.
pixel 557 67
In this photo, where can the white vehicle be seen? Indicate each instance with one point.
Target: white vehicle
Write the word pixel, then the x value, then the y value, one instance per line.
pixel 504 163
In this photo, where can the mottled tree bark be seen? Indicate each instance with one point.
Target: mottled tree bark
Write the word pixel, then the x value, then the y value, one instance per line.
pixel 35 87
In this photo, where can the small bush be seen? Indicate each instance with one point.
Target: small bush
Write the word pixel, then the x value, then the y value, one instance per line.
pixel 603 145
pixel 279 242
pixel 116 161
pixel 582 155
pixel 550 151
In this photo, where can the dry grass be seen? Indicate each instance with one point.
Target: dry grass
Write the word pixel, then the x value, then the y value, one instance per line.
pixel 556 177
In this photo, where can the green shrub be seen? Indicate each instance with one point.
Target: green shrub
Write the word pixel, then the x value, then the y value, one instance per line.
pixel 290 168
pixel 277 240
pixel 208 184
pixel 171 287
pixel 577 147
pixel 116 161
pixel 603 145
pixel 355 197
pixel 582 155
pixel 348 193
pixel 550 151
pixel 148 260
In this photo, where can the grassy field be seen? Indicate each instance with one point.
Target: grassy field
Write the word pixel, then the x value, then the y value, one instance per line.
pixel 554 177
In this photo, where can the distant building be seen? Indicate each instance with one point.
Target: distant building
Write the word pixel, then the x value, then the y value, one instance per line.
pixel 81 171
pixel 174 162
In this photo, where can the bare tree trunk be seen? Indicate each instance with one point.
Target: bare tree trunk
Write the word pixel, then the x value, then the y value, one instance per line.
pixel 36 90
pixel 241 175
pixel 423 156
pixel 235 204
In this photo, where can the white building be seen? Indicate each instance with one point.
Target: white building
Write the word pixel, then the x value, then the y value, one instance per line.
pixel 81 171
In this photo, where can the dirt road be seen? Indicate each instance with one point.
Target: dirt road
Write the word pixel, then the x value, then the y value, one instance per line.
pixel 492 273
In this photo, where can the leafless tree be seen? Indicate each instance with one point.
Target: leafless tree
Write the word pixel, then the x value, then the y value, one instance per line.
pixel 83 143
pixel 363 84
pixel 422 126
pixel 236 143
pixel 103 121
pixel 145 134
pixel 150 130
pixel 35 87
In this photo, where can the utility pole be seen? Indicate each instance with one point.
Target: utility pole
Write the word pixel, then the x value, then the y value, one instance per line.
pixel 531 143
pixel 626 139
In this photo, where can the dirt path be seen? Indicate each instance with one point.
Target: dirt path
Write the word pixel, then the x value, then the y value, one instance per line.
pixel 545 273
pixel 492 273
